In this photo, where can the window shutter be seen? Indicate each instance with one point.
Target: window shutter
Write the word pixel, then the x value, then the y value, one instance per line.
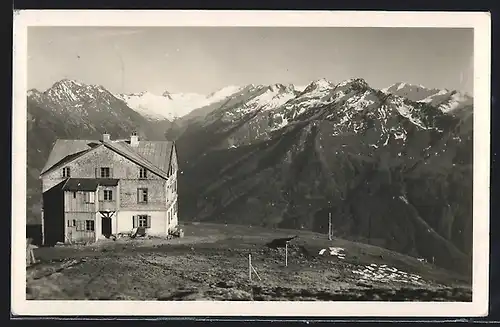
pixel 138 195
pixel 110 172
pixel 101 195
pixel 97 173
pixel 134 222
pixel 148 224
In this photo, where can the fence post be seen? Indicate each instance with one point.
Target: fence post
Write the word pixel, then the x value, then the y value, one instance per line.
pixel 250 267
pixel 286 254
pixel 43 227
pixel 329 226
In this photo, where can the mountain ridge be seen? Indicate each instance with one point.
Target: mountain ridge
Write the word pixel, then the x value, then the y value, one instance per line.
pixel 278 155
pixel 340 143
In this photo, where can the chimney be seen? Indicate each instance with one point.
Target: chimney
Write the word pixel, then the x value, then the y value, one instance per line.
pixel 134 139
pixel 106 137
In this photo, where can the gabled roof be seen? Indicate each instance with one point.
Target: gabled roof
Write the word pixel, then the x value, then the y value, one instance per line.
pixel 143 154
pixel 65 151
pixel 87 184
pixel 152 155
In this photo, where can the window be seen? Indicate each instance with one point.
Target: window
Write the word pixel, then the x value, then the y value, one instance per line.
pixel 142 195
pixel 143 221
pixel 72 223
pixel 66 172
pixel 89 225
pixel 108 195
pixel 143 173
pixel 74 195
pixel 89 197
pixel 84 225
pixel 105 172
pixel 80 225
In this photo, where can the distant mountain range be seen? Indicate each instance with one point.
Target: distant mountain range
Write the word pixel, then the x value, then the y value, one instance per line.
pixel 446 100
pixel 393 166
pixel 172 105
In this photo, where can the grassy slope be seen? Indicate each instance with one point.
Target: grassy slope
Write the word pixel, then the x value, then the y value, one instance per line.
pixel 211 262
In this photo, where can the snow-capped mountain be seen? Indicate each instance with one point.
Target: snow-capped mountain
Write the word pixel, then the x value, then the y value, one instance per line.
pixel 172 106
pixel 328 149
pixel 259 98
pixel 449 101
pixel 352 105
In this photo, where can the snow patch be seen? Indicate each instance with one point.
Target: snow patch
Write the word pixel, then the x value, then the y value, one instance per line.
pixel 386 274
pixel 333 251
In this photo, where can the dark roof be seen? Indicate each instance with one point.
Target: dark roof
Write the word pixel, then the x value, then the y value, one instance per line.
pixel 65 151
pixel 87 184
pixel 153 155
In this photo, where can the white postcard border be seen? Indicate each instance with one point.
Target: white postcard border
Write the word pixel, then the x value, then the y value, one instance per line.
pixel 481 24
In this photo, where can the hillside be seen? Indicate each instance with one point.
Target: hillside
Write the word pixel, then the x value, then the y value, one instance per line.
pixel 211 263
pixel 393 172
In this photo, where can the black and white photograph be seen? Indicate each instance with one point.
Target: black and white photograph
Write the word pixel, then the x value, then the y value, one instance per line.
pixel 309 163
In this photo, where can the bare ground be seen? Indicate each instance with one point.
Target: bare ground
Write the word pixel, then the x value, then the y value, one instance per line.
pixel 211 263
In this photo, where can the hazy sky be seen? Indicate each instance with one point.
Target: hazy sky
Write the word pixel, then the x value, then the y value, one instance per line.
pixel 204 59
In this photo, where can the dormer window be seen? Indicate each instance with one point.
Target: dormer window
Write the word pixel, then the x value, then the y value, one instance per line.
pixel 66 172
pixel 143 173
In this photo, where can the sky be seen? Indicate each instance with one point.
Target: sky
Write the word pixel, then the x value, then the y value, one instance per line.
pixel 205 59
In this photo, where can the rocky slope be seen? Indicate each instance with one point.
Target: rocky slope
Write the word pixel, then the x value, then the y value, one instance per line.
pixel 393 172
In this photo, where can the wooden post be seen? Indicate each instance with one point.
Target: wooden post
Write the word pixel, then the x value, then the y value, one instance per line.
pixel 286 254
pixel 250 267
pixel 43 228
pixel 30 255
pixel 330 226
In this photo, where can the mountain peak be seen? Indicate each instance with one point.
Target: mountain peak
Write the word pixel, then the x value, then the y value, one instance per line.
pixel 33 91
pixel 277 87
pixel 66 82
pixel 167 94
pixel 321 83
pixel 361 82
